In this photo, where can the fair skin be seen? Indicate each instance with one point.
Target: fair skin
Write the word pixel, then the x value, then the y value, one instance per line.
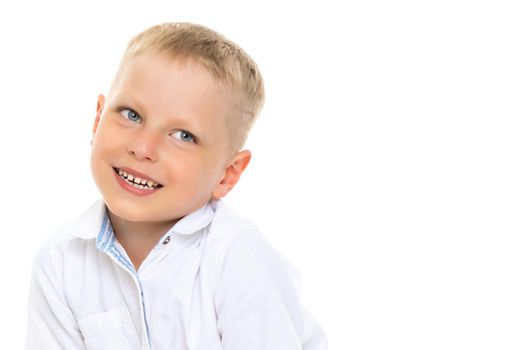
pixel 164 119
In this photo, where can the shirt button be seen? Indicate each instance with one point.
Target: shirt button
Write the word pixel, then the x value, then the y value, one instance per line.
pixel 167 240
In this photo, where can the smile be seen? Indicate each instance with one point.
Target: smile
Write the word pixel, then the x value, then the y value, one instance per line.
pixel 137 182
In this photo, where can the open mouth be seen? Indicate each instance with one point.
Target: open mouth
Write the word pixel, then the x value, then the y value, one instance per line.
pixel 137 182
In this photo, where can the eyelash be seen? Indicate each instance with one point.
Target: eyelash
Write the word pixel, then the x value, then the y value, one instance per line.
pixel 120 110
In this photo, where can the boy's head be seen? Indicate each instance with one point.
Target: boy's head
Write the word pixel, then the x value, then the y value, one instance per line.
pixel 177 114
pixel 224 60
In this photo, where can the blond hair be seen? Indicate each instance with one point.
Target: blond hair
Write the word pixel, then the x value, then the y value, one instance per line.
pixel 224 60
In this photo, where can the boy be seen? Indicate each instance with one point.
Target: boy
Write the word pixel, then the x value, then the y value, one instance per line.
pixel 160 262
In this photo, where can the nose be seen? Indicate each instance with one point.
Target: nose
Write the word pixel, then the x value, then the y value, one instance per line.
pixel 145 145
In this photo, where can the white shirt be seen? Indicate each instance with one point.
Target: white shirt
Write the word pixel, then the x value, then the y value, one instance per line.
pixel 212 282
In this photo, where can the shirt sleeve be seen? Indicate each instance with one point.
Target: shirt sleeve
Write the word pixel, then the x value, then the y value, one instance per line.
pixel 51 324
pixel 257 302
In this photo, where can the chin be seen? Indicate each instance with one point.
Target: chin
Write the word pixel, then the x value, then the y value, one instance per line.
pixel 126 210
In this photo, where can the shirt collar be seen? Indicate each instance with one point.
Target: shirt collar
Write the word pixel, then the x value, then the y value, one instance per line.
pixel 94 221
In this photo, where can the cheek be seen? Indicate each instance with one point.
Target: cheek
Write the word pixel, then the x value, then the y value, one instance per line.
pixel 105 140
pixel 213 176
pixel 98 149
pixel 195 172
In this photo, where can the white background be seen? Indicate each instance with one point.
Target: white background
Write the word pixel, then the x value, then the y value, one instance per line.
pixel 388 162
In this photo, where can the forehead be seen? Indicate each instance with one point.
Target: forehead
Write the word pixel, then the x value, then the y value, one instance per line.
pixel 165 88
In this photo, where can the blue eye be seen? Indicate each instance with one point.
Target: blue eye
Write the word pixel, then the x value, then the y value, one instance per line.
pixel 184 136
pixel 130 114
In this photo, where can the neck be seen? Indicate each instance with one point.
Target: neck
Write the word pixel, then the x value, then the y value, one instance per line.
pixel 138 238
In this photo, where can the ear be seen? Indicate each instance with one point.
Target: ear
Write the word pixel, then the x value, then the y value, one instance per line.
pixel 100 107
pixel 232 174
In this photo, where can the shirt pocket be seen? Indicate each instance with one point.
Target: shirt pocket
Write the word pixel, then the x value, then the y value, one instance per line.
pixel 112 329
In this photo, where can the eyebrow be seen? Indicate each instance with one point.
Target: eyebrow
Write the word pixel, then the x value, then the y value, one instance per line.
pixel 127 99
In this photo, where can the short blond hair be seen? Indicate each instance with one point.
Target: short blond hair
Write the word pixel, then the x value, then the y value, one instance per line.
pixel 224 60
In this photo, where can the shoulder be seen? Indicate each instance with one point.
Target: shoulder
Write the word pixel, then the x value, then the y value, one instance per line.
pixel 237 246
pixel 58 242
pixel 50 258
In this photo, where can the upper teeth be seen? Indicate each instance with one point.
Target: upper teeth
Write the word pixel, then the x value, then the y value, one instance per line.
pixel 137 179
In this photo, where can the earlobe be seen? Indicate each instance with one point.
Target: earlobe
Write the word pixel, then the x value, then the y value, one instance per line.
pixel 232 174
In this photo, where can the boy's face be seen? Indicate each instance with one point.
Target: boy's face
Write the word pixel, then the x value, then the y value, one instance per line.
pixel 164 119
